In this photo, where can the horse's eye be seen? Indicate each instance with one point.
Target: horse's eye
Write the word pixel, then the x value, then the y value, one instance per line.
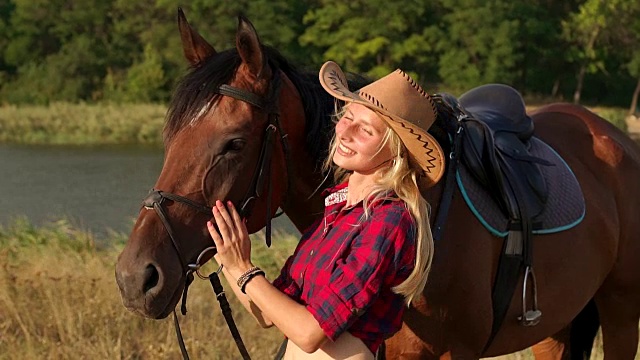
pixel 234 145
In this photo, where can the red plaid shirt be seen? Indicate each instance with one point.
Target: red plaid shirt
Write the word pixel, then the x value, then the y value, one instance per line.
pixel 343 269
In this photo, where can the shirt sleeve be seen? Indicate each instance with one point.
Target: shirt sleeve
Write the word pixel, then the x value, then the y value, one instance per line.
pixel 284 282
pixel 356 280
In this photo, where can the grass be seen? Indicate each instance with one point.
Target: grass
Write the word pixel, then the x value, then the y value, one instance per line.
pixel 59 300
pixel 101 124
pixel 82 124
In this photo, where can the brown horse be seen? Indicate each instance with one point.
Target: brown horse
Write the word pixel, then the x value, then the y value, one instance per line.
pixel 219 121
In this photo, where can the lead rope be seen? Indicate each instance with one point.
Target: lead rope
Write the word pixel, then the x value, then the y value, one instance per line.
pixel 218 290
pixel 226 312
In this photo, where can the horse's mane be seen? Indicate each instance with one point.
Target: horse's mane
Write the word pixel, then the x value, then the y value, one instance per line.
pixel 445 125
pixel 197 90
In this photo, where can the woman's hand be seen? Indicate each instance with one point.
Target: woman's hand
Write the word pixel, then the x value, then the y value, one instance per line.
pixel 231 239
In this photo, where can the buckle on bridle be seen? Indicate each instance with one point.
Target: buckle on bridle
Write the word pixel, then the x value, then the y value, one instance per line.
pixel 195 268
pixel 154 197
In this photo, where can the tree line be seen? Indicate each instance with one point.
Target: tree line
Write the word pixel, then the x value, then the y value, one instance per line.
pixel 130 51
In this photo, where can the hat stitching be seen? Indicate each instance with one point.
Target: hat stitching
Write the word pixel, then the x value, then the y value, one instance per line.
pixel 419 88
pixel 425 144
pixel 372 100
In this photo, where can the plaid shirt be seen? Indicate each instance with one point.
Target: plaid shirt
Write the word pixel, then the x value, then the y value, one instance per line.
pixel 343 268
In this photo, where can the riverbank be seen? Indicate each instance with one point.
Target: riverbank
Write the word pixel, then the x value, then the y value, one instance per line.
pixel 105 124
pixel 82 124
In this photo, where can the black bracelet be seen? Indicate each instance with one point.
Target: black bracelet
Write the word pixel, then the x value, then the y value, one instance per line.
pixel 248 278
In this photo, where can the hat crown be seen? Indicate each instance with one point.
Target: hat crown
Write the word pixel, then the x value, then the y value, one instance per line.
pixel 397 93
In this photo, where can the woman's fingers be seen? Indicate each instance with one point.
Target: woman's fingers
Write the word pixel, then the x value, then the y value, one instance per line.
pixel 223 228
pixel 217 239
pixel 225 214
pixel 234 214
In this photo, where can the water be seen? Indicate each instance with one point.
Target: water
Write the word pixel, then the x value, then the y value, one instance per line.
pixel 98 188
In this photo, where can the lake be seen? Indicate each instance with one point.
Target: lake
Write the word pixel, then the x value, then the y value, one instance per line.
pixel 98 188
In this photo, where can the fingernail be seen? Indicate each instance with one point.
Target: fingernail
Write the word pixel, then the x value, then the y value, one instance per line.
pixel 219 203
pixel 209 224
pixel 215 209
pixel 229 203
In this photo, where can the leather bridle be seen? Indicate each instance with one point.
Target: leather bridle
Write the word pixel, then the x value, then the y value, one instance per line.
pixel 155 198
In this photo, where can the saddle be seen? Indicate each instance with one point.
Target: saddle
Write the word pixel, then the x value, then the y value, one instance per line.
pixel 495 144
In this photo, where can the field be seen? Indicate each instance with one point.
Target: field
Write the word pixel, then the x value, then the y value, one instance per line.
pixel 59 300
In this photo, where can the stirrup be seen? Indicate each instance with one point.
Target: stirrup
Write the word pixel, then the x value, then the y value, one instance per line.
pixel 530 317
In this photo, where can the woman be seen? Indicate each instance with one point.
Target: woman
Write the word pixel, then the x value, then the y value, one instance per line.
pixel 345 288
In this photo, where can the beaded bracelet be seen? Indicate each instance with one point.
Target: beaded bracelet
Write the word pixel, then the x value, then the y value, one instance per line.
pixel 248 275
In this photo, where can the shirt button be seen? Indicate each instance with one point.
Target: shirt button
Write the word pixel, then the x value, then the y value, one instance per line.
pixel 311 253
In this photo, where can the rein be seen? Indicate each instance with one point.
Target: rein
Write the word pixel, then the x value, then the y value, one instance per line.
pixel 155 198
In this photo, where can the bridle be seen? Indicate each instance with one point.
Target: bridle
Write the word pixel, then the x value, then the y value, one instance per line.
pixel 155 198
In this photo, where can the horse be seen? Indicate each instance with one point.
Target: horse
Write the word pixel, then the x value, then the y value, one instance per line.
pixel 246 126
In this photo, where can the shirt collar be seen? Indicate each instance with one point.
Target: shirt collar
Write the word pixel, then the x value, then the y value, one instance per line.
pixel 337 195
pixel 330 190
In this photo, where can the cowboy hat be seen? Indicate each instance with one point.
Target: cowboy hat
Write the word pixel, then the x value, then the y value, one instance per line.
pixel 403 105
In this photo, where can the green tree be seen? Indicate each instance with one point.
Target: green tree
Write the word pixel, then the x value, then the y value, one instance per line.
pixel 627 37
pixel 480 45
pixel 59 57
pixel 540 67
pixel 145 79
pixel 373 37
pixel 583 30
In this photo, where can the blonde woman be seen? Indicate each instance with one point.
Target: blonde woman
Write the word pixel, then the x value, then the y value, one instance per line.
pixel 345 288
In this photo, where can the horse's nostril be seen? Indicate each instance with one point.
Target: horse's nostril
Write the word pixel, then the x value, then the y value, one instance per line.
pixel 151 277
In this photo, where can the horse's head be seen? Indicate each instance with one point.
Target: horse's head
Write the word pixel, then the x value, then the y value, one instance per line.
pixel 223 140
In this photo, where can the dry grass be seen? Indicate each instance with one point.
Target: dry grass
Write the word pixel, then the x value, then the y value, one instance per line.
pixel 59 300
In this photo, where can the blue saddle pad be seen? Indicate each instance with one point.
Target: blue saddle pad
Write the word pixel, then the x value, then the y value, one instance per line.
pixel 565 205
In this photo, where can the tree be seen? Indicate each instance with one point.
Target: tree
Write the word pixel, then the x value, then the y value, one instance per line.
pixel 373 37
pixel 583 29
pixel 479 44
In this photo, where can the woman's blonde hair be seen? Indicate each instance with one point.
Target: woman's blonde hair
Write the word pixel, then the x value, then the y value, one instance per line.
pixel 402 178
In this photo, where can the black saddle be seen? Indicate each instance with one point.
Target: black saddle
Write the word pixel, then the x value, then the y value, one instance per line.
pixel 496 131
pixel 496 149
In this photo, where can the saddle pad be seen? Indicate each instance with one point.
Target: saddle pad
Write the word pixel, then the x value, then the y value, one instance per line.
pixel 565 205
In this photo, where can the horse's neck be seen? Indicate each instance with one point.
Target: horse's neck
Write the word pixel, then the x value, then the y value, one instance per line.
pixel 304 202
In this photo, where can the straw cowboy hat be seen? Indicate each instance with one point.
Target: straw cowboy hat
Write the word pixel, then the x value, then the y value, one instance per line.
pixel 403 105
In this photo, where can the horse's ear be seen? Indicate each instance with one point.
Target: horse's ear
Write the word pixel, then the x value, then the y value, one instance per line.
pixel 196 48
pixel 250 49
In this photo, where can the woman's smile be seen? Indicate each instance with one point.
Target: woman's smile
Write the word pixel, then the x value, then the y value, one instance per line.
pixel 345 151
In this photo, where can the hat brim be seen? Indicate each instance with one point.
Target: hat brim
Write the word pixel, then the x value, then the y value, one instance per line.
pixel 423 147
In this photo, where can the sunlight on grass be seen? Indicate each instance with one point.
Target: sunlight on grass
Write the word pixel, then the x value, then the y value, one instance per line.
pixel 59 300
